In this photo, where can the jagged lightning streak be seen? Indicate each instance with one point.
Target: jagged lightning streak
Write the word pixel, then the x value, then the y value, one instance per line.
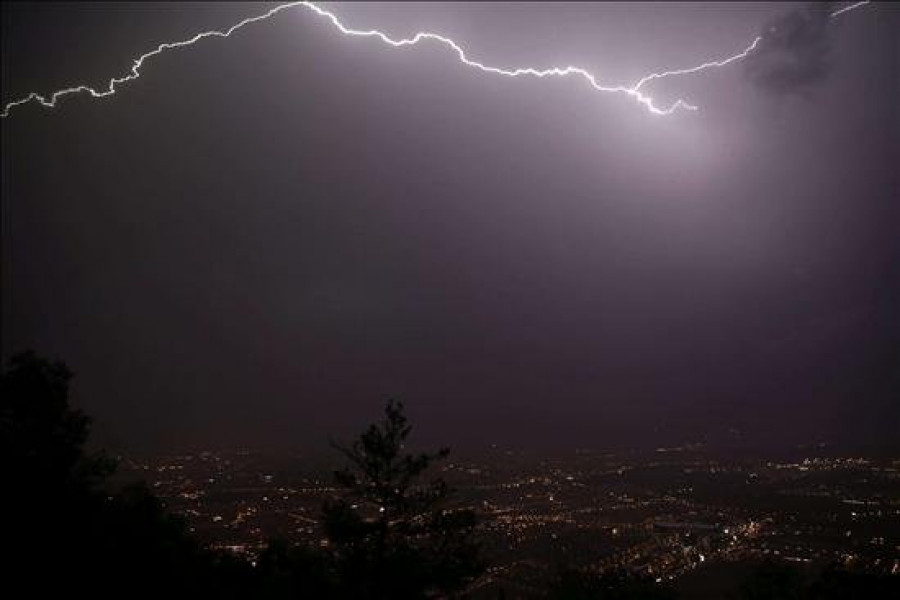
pixel 739 56
pixel 841 11
pixel 634 91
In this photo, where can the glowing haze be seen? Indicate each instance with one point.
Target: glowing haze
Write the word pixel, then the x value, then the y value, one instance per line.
pixel 634 91
pixel 264 236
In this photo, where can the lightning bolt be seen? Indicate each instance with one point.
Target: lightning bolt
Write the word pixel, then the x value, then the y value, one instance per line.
pixel 841 11
pixel 633 91
pixel 739 56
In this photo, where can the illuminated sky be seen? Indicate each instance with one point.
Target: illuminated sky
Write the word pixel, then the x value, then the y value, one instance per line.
pixel 263 237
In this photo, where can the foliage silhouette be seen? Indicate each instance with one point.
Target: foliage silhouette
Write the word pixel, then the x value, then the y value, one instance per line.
pixel 68 524
pixel 291 571
pixel 68 532
pixel 773 580
pixel 392 535
pixel 42 441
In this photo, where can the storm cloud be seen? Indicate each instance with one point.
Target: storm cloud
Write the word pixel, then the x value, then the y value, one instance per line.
pixel 795 53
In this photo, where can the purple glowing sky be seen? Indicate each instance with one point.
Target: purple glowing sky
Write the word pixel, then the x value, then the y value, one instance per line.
pixel 263 237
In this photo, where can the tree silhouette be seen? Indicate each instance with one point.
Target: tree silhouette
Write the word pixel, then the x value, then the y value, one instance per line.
pixel 41 438
pixel 51 500
pixel 772 580
pixel 392 535
pixel 292 571
pixel 68 531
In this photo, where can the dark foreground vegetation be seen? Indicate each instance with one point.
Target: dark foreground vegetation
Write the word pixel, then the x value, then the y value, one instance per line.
pixel 392 533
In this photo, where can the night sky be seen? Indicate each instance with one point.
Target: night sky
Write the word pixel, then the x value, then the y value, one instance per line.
pixel 264 237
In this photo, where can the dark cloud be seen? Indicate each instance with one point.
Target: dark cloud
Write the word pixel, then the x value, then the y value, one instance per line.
pixel 795 53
